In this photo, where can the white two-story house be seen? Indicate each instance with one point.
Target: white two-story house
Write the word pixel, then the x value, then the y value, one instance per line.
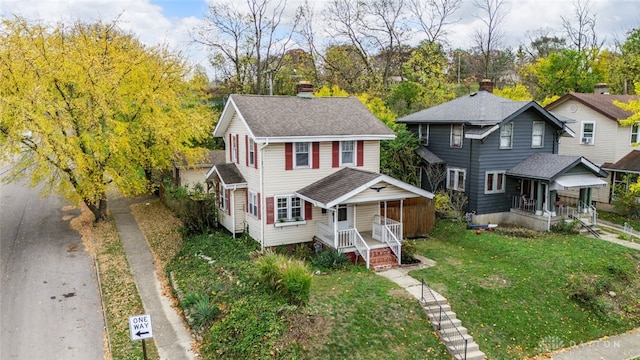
pixel 599 136
pixel 303 168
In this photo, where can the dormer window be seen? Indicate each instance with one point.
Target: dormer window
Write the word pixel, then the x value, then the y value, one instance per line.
pixel 506 136
pixel 302 156
pixel 347 150
pixel 456 136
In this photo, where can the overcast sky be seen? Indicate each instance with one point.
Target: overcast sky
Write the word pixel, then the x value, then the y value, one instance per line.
pixel 156 21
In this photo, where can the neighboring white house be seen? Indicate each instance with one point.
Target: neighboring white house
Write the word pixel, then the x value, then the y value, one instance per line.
pixel 190 175
pixel 303 168
pixel 599 136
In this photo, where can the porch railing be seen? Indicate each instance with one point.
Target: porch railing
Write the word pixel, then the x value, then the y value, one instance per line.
pixel 526 204
pixel 340 239
pixel 389 234
pixel 360 245
pixel 441 320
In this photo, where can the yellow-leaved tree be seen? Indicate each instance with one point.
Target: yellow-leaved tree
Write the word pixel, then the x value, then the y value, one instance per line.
pixel 85 106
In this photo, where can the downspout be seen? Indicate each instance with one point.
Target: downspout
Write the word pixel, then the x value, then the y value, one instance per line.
pixel 264 198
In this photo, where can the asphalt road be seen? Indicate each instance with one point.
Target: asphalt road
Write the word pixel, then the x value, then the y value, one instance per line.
pixel 49 299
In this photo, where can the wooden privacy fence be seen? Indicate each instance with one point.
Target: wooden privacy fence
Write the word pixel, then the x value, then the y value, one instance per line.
pixel 419 215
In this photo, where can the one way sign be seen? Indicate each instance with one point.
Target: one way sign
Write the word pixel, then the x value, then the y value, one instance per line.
pixel 140 327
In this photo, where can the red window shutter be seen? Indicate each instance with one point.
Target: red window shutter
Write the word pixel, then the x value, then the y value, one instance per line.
pixel 308 210
pixel 230 147
pixel 288 156
pixel 228 192
pixel 316 155
pixel 255 155
pixel 258 206
pixel 237 149
pixel 246 148
pixel 270 217
pixel 335 154
pixel 360 152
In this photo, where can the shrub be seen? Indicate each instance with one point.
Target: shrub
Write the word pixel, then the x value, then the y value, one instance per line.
pixel 566 227
pixel 330 259
pixel 203 312
pixel 288 277
pixel 625 202
pixel 451 204
pixel 197 209
pixel 408 252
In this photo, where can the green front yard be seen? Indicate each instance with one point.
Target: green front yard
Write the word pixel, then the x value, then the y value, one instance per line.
pixel 516 295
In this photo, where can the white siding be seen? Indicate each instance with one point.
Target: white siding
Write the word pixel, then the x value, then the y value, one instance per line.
pixel 190 177
pixel 365 214
pixel 390 192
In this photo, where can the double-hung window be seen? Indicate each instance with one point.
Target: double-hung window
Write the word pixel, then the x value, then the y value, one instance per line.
pixel 456 136
pixel 423 133
pixel 494 182
pixel 224 202
pixel 456 178
pixel 253 203
pixel 537 134
pixel 634 134
pixel 347 152
pixel 506 136
pixel 302 156
pixel 588 133
pixel 289 208
pixel 252 153
pixel 234 149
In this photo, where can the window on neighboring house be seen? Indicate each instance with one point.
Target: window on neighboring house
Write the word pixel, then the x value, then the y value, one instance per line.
pixel 494 182
pixel 302 156
pixel 253 203
pixel 506 136
pixel 634 134
pixel 456 136
pixel 289 208
pixel 588 133
pixel 252 153
pixel 347 151
pixel 537 134
pixel 224 202
pixel 234 148
pixel 423 133
pixel 456 178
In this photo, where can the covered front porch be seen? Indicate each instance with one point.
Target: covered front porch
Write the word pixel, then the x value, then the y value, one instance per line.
pixel 355 204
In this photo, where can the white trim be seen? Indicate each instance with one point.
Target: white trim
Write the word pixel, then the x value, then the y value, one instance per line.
pixel 637 126
pixel 286 139
pixel 226 186
pixel 533 126
pixel 483 135
pixel 252 195
pixel 451 143
pixel 353 152
pixel 593 133
pixel 502 128
pixel 289 218
pixel 295 155
pixel 251 150
pixel 457 171
pixel 424 138
pixel 496 174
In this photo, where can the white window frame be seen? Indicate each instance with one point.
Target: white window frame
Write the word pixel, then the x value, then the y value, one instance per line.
pixel 344 149
pixel 252 153
pixel 583 138
pixel 503 129
pixel 456 179
pixel 289 208
pixel 423 133
pixel 634 134
pixel 234 149
pixel 453 136
pixel 296 152
pixel 224 202
pixel 534 135
pixel 253 203
pixel 494 183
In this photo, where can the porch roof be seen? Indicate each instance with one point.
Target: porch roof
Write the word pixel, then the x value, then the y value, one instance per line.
pixel 429 157
pixel 228 174
pixel 628 163
pixel 348 182
pixel 548 167
pixel 567 182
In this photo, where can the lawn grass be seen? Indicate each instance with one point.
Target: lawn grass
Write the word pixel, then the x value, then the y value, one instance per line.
pixel 513 294
pixel 119 293
pixel 351 313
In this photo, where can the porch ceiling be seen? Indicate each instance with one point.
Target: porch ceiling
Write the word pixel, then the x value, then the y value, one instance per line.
pixel 577 181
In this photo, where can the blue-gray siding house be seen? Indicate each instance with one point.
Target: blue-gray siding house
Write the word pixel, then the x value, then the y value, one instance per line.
pixel 475 141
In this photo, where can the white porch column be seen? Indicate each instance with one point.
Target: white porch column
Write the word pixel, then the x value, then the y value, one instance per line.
pixel 401 223
pixel 335 227
pixel 354 215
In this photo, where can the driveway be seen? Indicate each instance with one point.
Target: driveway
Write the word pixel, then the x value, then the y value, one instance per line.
pixel 49 301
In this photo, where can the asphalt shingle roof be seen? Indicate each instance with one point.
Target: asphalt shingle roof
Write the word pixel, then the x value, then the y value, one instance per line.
pixel 428 156
pixel 543 166
pixel 211 158
pixel 281 116
pixel 602 103
pixel 480 108
pixel 337 184
pixel 630 162
pixel 229 174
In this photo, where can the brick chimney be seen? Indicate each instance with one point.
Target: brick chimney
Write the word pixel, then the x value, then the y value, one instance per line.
pixel 304 89
pixel 486 85
pixel 601 89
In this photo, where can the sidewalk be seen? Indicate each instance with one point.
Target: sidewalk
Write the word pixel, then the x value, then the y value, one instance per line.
pixel 169 331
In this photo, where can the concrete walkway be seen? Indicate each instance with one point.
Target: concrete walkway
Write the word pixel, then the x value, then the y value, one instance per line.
pixel 169 331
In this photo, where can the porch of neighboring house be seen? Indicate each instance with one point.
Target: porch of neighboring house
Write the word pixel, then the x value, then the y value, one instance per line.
pixel 377 242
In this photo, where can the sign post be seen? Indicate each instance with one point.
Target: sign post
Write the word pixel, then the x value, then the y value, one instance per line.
pixel 140 329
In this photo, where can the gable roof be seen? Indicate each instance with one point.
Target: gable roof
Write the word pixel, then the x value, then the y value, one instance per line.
pixel 602 103
pixel 211 158
pixel 229 175
pixel 348 182
pixel 545 166
pixel 290 118
pixel 628 163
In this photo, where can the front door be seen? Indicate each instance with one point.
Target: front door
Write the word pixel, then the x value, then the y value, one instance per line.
pixel 344 214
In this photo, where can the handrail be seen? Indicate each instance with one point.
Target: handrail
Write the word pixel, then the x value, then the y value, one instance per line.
pixel 456 339
pixel 392 241
pixel 361 246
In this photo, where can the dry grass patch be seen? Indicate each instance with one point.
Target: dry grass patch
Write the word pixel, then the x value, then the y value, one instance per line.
pixel 119 293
